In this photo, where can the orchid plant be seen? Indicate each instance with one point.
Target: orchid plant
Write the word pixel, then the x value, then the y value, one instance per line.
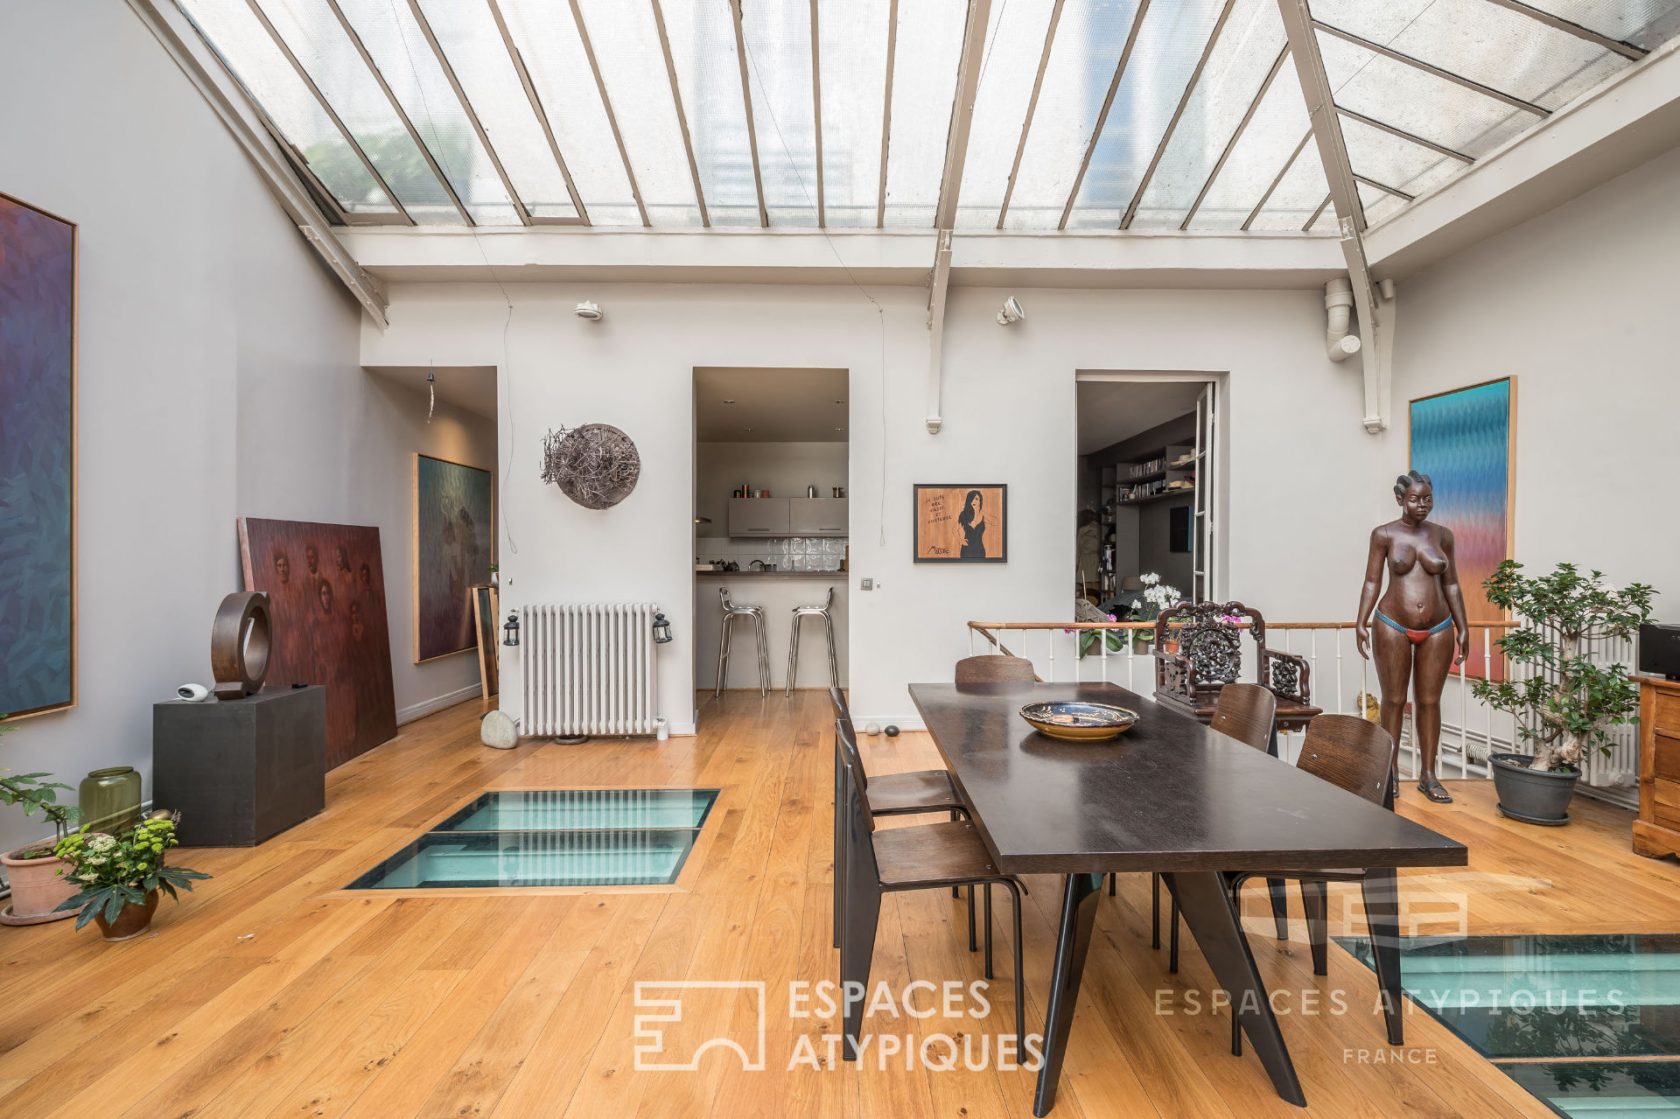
pixel 1157 596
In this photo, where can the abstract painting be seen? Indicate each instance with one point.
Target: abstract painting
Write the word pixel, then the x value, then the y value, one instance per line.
pixel 37 460
pixel 962 524
pixel 453 542
pixel 1465 440
pixel 326 604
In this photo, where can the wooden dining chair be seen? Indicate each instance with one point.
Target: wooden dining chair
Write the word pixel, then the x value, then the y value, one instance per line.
pixel 995 668
pixel 894 794
pixel 920 857
pixel 1356 755
pixel 1246 712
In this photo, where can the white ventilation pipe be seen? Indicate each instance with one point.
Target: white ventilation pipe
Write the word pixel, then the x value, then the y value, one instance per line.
pixel 1339 340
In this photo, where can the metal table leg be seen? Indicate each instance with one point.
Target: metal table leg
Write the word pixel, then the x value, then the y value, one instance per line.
pixel 1073 941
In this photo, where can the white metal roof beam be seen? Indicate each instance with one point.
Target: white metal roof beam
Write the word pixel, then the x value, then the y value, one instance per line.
pixel 816 115
pixel 886 114
pixel 1102 113
pixel 682 117
pixel 1569 27
pixel 537 109
pixel 1401 133
pixel 746 103
pixel 402 114
pixel 606 104
pixel 1242 125
pixel 1429 68
pixel 234 108
pixel 1276 179
pixel 1172 125
pixel 1032 109
pixel 466 107
pixel 969 65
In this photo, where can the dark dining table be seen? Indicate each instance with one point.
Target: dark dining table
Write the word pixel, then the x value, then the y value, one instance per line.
pixel 1173 796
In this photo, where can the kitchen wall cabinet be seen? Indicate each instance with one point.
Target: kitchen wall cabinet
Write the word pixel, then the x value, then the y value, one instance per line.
pixel 758 516
pixel 817 516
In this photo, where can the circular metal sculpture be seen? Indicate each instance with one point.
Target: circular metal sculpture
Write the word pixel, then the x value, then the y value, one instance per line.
pixel 595 465
pixel 239 644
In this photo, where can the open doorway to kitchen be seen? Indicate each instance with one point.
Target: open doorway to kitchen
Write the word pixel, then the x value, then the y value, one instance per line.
pixel 1147 490
pixel 771 458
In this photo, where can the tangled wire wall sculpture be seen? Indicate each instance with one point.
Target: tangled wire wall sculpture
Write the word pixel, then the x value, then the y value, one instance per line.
pixel 595 465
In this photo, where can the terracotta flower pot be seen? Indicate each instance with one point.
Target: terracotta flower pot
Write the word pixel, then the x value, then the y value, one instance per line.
pixel 131 921
pixel 37 889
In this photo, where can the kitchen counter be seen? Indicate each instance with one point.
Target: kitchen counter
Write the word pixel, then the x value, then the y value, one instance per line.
pixel 748 572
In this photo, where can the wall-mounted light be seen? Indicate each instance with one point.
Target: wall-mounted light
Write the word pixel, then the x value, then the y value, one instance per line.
pixel 661 630
pixel 589 310
pixel 1011 313
pixel 510 631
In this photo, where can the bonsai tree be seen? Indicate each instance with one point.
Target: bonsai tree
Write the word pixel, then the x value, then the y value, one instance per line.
pixel 36 794
pixel 1567 702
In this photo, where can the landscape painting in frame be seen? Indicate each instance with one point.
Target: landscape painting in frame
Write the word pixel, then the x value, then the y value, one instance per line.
pixel 1464 440
pixel 37 460
pixel 326 604
pixel 453 541
pixel 962 524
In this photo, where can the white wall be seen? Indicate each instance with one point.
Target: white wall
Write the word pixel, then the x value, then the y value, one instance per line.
pixel 1579 305
pixel 217 373
pixel 1305 481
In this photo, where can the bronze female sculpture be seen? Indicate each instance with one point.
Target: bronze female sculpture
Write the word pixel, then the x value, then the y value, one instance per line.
pixel 1421 623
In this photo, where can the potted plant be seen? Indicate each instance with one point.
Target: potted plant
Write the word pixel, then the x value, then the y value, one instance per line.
pixel 34 873
pixel 1567 702
pixel 120 875
pixel 1157 596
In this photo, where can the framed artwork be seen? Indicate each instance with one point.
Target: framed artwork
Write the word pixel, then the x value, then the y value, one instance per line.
pixel 486 613
pixel 37 460
pixel 453 549
pixel 326 603
pixel 962 524
pixel 1465 440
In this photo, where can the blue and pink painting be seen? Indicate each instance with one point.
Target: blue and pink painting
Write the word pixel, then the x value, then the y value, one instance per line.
pixel 1463 440
pixel 453 549
pixel 37 460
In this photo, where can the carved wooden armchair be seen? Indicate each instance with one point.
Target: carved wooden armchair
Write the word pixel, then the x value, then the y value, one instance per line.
pixel 1207 655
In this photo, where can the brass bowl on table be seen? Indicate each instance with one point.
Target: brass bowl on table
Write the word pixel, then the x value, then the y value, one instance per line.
pixel 1074 721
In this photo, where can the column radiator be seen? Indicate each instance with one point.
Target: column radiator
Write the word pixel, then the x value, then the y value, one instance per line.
pixel 589 669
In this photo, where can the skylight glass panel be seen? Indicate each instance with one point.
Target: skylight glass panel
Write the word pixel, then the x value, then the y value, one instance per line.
pixel 1394 161
pixel 778 38
pixel 924 86
pixel 1296 197
pixel 1259 156
pixel 1014 46
pixel 242 41
pixel 633 70
pixel 1417 102
pixel 388 31
pixel 548 40
pixel 319 42
pixel 702 38
pixel 1497 47
pixel 1168 48
pixel 1644 23
pixel 1090 38
pixel 473 46
pixel 1249 45
pixel 852 37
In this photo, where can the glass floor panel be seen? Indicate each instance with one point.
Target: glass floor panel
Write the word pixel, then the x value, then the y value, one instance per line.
pixel 583 809
pixel 1543 1007
pixel 552 837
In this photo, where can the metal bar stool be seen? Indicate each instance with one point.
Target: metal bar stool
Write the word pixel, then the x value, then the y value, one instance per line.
pixel 800 613
pixel 756 615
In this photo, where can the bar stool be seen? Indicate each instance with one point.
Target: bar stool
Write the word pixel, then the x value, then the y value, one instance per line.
pixel 756 615
pixel 800 613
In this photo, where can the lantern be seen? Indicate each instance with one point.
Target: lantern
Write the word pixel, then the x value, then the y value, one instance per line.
pixel 661 630
pixel 510 631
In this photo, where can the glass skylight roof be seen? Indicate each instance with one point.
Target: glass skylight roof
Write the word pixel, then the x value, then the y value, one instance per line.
pixel 1091 115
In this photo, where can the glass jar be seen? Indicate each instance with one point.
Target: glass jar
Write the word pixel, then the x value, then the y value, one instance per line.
pixel 109 799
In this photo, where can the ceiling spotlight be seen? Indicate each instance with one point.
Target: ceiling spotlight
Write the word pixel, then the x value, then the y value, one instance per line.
pixel 589 309
pixel 1011 312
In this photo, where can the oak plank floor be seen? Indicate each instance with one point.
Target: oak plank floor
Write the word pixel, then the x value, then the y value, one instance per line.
pixel 273 992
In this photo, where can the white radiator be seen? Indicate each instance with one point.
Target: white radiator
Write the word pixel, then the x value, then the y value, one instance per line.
pixel 589 669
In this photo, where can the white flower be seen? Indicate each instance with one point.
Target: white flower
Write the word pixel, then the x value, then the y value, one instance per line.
pixel 88 876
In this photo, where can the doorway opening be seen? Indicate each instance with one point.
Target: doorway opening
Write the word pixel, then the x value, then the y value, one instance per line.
pixel 771 463
pixel 1147 489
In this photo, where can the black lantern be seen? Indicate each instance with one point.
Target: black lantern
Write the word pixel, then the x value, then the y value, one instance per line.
pixel 661 630
pixel 510 631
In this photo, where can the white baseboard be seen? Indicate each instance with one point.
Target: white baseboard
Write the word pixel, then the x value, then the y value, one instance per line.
pixel 448 699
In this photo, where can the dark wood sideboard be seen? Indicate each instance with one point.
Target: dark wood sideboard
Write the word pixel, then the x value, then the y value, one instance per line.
pixel 1657 831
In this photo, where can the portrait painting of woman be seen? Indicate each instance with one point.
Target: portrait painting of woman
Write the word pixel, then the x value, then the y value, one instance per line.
pixel 961 524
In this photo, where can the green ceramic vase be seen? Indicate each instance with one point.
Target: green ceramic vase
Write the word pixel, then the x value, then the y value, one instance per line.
pixel 109 799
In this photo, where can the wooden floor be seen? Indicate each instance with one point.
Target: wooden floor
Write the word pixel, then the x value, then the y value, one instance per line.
pixel 271 992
